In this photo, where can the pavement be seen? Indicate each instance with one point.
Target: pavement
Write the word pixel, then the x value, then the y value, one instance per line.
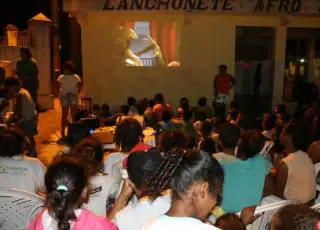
pixel 49 133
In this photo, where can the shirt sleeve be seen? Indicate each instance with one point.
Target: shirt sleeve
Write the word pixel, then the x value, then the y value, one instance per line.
pixel 78 79
pixel 59 79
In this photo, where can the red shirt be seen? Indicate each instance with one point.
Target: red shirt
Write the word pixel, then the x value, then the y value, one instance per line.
pixel 223 84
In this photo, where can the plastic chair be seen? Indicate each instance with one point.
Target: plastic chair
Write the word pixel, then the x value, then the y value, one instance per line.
pixel 269 206
pixel 18 208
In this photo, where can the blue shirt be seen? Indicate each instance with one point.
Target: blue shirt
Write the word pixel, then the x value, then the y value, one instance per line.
pixel 244 183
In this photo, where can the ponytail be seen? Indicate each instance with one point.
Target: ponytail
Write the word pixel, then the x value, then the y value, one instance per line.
pixel 164 174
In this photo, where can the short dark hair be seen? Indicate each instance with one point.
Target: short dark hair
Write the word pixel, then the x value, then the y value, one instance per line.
pixel 230 221
pixel 223 66
pixel 12 142
pixel 105 107
pixel 229 135
pixel 131 101
pixel 26 51
pixel 181 169
pixel 172 139
pixel 159 98
pixel 77 131
pixel 128 134
pixel 202 116
pixel 65 181
pixel 251 143
pixel 206 128
pixel 91 153
pixel 141 107
pixel 295 217
pixel 125 109
pixel 12 81
pixel 69 66
pixel 208 145
pixel 96 107
pixel 202 101
pixel 301 134
pixel 142 165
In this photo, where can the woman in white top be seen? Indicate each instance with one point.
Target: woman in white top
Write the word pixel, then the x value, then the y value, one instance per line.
pixel 295 174
pixel 141 166
pixel 16 170
pixel 103 189
pixel 69 91
pixel 195 179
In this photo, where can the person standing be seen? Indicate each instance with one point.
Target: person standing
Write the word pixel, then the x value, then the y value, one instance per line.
pixel 28 71
pixel 223 82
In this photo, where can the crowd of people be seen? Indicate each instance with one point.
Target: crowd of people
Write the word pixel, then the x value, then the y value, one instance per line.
pixel 202 165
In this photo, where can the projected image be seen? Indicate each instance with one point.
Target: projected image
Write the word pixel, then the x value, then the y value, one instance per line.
pixel 147 44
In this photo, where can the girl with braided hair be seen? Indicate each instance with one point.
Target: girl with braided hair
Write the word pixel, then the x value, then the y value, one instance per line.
pixel 66 182
pixel 195 179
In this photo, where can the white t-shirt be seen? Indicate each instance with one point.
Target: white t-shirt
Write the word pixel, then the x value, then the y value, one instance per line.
pixel 69 83
pixel 173 223
pixel 22 173
pixel 103 191
pixel 134 216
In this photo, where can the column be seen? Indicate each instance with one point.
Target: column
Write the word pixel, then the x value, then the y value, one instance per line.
pixel 310 60
pixel 279 63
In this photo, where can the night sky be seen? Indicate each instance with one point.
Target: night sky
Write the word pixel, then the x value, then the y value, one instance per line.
pixel 18 12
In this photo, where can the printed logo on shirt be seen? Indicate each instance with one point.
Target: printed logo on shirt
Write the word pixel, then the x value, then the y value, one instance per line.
pixel 14 171
pixel 95 190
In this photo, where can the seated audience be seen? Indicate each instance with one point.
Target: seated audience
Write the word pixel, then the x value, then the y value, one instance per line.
pixel 139 115
pixel 151 120
pixel 66 182
pixel 167 123
pixel 295 175
pixel 206 143
pixel 195 179
pixel 96 110
pixel 188 125
pixel 233 117
pixel 268 126
pixel 227 142
pixel 217 122
pixel 203 107
pixel 184 105
pixel 160 106
pixel 18 171
pixel 245 178
pixel 141 166
pixel 202 117
pixel 124 113
pixel 103 189
pixel 172 139
pixel 295 217
pixel 132 103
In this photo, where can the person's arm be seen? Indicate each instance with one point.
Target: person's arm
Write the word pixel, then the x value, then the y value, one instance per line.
pixel 232 80
pixel 122 200
pixel 79 84
pixel 281 179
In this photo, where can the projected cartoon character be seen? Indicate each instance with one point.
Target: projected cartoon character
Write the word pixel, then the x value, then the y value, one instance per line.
pixel 137 50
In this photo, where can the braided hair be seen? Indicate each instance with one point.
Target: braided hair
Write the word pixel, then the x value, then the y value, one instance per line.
pixel 182 168
pixel 65 181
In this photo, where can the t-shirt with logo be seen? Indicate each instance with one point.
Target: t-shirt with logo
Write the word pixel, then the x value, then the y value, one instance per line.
pixel 23 173
pixel 103 191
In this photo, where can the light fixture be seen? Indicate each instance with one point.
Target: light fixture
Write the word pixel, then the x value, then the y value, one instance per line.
pixel 302 60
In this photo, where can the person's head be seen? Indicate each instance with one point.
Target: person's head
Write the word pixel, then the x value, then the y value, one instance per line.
pixel 128 134
pixel 77 131
pixel 173 139
pixel 141 107
pixel 187 115
pixel 105 108
pixel 229 136
pixel 230 221
pixel 248 123
pixel 124 110
pixel 223 69
pixel 141 166
pixel 13 85
pixel 296 136
pixel 66 182
pixel 280 109
pixel 184 103
pixel 208 145
pixel 206 128
pixel 158 98
pixel 166 116
pixel 250 144
pixel 12 142
pixel 151 103
pixel 295 217
pixel 195 179
pixel 269 122
pixel 131 101
pixel 202 102
pixel 96 108
pixel 91 153
pixel 69 68
pixel 233 116
pixel 25 53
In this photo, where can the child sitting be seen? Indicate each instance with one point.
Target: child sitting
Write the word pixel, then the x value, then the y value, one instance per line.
pixel 66 182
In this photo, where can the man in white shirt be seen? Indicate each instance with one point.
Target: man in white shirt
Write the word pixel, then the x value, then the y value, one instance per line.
pixel 140 167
